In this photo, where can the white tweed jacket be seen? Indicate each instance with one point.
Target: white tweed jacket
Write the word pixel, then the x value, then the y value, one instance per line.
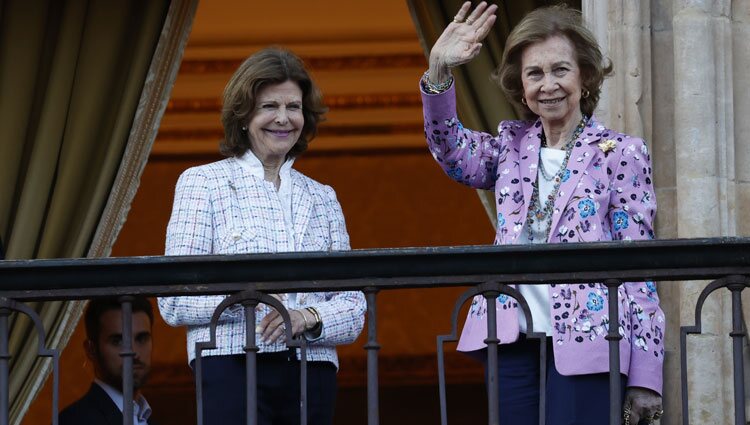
pixel 220 208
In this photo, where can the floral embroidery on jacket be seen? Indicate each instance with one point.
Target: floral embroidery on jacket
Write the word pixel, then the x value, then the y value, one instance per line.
pixel 606 193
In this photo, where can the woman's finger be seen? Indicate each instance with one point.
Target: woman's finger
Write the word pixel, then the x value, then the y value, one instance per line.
pixel 461 14
pixel 475 49
pixel 483 30
pixel 486 15
pixel 275 330
pixel 276 335
pixel 635 414
pixel 265 322
pixel 634 418
pixel 640 410
pixel 476 13
pixel 269 324
pixel 282 332
pixel 657 414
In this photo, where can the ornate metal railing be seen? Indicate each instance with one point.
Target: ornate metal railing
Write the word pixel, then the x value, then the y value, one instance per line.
pixel 487 270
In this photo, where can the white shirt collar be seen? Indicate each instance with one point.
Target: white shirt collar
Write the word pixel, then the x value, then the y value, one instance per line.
pixel 141 408
pixel 252 164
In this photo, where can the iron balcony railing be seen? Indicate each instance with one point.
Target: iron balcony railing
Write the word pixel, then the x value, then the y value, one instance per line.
pixel 486 270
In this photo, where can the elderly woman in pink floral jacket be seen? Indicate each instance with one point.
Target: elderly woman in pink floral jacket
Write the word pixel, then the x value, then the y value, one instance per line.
pixel 559 176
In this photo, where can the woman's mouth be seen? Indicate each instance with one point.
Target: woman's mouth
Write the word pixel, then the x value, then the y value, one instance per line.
pixel 551 102
pixel 279 133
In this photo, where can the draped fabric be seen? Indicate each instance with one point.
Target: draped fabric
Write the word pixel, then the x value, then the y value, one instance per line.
pixel 481 103
pixel 84 85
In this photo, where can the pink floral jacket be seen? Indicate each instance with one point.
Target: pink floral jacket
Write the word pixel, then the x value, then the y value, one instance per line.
pixel 606 194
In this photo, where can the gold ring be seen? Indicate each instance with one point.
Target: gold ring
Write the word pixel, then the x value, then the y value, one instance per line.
pixel 458 21
pixel 469 21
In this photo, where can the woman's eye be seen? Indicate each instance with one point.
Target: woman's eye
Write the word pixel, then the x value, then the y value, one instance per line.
pixel 142 339
pixel 561 70
pixel 267 106
pixel 294 107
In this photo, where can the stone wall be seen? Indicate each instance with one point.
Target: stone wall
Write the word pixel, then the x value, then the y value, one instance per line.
pixel 681 80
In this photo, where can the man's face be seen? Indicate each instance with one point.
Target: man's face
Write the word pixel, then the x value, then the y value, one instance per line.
pixel 105 353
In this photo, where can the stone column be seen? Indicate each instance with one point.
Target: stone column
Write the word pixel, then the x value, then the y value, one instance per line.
pixel 702 110
pixel 741 77
pixel 678 65
pixel 741 56
pixel 665 180
pixel 625 104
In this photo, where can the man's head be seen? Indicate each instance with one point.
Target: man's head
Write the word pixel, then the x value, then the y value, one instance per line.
pixel 104 339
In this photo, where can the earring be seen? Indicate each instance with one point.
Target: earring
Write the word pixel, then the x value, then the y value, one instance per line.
pixel 244 129
pixel 585 93
pixel 523 100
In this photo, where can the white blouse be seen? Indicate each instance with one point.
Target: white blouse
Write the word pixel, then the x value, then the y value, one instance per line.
pixel 537 296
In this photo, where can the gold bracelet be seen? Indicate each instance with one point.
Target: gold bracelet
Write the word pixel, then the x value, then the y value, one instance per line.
pixel 316 315
pixel 307 326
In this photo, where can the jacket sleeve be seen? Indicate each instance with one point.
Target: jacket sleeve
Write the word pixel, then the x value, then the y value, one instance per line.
pixel 631 213
pixel 190 232
pixel 342 313
pixel 467 156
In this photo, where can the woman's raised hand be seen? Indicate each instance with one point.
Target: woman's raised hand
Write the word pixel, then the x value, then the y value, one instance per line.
pixel 461 40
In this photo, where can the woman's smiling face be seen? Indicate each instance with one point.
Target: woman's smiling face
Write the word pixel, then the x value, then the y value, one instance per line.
pixel 277 121
pixel 552 80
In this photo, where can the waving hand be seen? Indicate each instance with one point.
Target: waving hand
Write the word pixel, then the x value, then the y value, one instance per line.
pixel 461 40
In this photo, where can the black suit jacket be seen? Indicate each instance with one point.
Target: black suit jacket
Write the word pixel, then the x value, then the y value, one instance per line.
pixel 94 408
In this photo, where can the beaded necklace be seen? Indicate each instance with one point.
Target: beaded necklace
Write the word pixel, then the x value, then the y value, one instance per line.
pixel 540 212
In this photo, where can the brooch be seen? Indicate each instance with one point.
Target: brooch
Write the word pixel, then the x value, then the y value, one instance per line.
pixel 607 145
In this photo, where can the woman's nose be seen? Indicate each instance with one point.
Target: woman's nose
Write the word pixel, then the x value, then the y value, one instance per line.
pixel 281 116
pixel 549 82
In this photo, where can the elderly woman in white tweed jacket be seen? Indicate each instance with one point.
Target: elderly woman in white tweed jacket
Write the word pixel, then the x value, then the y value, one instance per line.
pixel 252 202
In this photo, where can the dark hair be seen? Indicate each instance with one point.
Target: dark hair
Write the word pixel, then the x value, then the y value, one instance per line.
pixel 539 25
pixel 98 306
pixel 266 67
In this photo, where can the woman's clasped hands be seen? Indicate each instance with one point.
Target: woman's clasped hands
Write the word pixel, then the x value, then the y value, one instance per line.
pixel 272 328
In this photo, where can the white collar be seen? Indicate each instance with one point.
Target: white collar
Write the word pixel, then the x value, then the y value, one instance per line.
pixel 252 164
pixel 142 409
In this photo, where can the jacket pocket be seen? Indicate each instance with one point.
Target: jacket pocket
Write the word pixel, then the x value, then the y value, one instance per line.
pixel 317 242
pixel 238 240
